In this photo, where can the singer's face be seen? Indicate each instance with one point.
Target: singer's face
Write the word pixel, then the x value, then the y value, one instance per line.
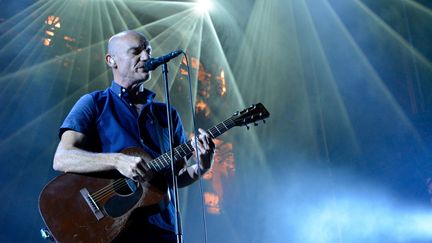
pixel 131 51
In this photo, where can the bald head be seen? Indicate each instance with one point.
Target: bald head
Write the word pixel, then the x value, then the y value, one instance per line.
pixel 117 40
pixel 127 52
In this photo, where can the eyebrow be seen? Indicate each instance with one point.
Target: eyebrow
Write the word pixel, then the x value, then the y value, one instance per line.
pixel 147 47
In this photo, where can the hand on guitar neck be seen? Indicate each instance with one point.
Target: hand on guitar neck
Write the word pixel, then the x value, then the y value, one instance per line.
pixel 206 148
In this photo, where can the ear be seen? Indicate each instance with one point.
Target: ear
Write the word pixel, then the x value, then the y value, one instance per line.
pixel 109 60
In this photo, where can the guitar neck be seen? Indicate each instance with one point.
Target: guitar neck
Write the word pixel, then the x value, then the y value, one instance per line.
pixel 183 150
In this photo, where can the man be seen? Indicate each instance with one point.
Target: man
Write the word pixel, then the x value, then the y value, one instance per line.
pixel 103 123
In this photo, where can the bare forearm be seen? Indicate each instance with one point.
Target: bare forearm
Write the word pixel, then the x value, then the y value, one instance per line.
pixel 81 161
pixel 69 157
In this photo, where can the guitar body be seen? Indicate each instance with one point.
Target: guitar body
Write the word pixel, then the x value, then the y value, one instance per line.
pixel 71 215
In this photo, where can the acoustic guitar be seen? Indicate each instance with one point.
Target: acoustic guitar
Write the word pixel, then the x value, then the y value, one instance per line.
pixel 95 207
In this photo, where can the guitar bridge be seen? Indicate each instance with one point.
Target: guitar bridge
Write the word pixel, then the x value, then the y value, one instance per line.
pixel 92 204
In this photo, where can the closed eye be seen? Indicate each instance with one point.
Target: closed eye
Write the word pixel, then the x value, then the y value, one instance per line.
pixel 149 50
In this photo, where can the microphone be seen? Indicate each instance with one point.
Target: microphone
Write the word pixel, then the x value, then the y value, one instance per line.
pixel 153 63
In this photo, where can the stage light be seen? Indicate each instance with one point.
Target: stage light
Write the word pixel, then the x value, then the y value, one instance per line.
pixel 203 6
pixel 52 25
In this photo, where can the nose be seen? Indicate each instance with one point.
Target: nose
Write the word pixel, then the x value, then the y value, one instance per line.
pixel 144 56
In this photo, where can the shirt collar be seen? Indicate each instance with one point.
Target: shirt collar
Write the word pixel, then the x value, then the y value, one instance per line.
pixel 121 92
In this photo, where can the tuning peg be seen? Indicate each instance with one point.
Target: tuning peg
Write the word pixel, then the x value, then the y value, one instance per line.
pixel 264 121
pixel 255 124
pixel 247 127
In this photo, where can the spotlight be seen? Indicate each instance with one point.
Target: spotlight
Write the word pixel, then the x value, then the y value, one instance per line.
pixel 203 6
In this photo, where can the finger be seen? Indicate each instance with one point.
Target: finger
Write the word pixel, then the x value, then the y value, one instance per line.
pixel 143 166
pixel 137 173
pixel 206 135
pixel 203 142
pixel 202 131
pixel 193 143
pixel 137 167
pixel 196 144
pixel 204 138
pixel 211 143
pixel 202 149
pixel 136 178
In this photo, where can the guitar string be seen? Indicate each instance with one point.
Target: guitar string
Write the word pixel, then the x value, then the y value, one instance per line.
pixel 109 193
pixel 107 189
pixel 112 192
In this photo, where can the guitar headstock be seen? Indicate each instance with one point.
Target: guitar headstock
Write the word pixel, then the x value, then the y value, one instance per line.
pixel 250 115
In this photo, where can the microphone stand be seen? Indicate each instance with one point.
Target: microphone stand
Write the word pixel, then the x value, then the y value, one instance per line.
pixel 179 231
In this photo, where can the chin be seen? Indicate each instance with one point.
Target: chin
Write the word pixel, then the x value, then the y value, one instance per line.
pixel 141 81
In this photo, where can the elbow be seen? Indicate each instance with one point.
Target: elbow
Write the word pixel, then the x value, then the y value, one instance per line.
pixel 58 165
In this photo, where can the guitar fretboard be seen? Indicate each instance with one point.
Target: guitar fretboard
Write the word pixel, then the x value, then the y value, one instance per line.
pixel 186 149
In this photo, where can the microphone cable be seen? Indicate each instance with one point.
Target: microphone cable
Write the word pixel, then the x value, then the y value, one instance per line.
pixel 196 148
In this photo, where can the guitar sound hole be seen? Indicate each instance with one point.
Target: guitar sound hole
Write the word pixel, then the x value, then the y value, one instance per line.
pixel 125 188
pixel 128 194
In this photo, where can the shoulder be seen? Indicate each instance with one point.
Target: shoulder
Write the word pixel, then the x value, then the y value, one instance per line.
pixel 95 99
pixel 88 104
pixel 99 94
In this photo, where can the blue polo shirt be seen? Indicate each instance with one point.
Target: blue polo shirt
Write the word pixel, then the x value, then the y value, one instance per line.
pixel 111 123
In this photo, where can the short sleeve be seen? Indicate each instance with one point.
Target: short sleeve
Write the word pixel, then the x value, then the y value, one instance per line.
pixel 82 116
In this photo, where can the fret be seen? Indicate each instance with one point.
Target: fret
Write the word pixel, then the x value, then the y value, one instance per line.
pixel 190 148
pixel 223 123
pixel 211 133
pixel 166 159
pixel 214 131
pixel 157 163
pixel 231 120
pixel 154 162
pixel 161 159
pixel 151 165
pixel 179 152
pixel 185 149
pixel 221 128
pixel 218 130
pixel 184 152
pixel 177 155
